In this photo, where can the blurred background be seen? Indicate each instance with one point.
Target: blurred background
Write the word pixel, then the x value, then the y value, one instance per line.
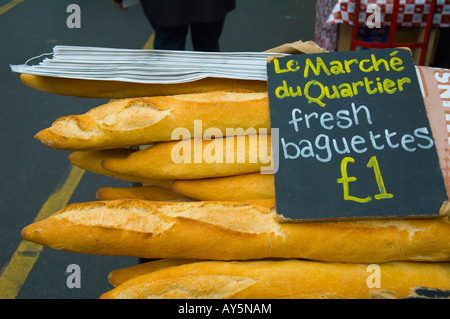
pixel 31 173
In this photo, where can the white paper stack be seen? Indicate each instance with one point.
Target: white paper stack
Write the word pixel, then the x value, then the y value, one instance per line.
pixel 146 66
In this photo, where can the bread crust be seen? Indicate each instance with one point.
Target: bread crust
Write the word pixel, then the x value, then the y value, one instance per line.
pixel 234 231
pixel 92 160
pixel 150 193
pixel 120 90
pixel 119 276
pixel 282 279
pixel 178 159
pixel 146 120
pixel 230 188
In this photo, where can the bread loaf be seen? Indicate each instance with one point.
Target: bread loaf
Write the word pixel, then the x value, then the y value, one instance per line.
pixel 282 279
pixel 196 158
pixel 120 90
pixel 91 161
pixel 151 193
pixel 234 231
pixel 119 276
pixel 229 188
pixel 145 120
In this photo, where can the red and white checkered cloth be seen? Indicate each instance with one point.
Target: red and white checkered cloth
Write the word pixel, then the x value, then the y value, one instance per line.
pixel 412 13
pixel 325 34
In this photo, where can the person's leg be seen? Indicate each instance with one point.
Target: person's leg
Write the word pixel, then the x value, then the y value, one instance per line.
pixel 205 36
pixel 169 38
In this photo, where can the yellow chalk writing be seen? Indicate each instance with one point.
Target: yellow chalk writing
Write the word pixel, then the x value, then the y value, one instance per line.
pixel 345 180
pixel 376 168
pixel 316 92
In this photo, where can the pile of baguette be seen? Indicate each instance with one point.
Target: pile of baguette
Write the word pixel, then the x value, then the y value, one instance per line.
pixel 210 229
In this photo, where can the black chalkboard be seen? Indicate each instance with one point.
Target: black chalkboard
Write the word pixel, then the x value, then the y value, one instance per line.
pixel 351 137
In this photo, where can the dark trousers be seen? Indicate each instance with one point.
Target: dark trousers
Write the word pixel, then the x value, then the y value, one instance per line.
pixel 204 36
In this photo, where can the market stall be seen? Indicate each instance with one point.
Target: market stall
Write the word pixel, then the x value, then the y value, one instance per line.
pixel 209 213
pixel 334 22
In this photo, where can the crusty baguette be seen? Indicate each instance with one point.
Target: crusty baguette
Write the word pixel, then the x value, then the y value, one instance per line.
pixel 119 276
pixel 151 193
pixel 91 161
pixel 234 231
pixel 145 120
pixel 120 90
pixel 281 279
pixel 196 158
pixel 229 188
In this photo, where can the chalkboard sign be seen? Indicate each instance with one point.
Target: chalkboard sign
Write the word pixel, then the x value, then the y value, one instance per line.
pixel 351 136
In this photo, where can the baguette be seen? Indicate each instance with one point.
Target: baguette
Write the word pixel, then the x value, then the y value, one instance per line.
pixel 230 188
pixel 234 231
pixel 91 161
pixel 151 193
pixel 145 120
pixel 119 90
pixel 196 158
pixel 119 276
pixel 282 279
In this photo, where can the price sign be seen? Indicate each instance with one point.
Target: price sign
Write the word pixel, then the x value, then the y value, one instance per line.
pixel 353 138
